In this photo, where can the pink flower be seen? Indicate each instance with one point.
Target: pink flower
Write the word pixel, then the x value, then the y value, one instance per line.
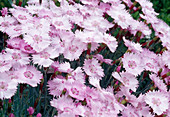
pixel 133 47
pixel 96 23
pixel 6 22
pixel 166 58
pixel 132 63
pixel 11 115
pixel 158 101
pixel 39 115
pixel 14 31
pixel 63 103
pixel 121 16
pixel 151 61
pixel 21 15
pixel 61 23
pixel 4 11
pixel 129 111
pixel 17 57
pixel 158 82
pixel 56 86
pixel 89 36
pixel 37 41
pixel 128 79
pixel 29 75
pixel 24 47
pixel 14 43
pixel 62 67
pixel 74 49
pixel 110 41
pixel 101 59
pixel 139 26
pixel 93 68
pixel 8 87
pixel 76 90
pixel 78 75
pixel 5 63
pixel 30 110
pixel 45 57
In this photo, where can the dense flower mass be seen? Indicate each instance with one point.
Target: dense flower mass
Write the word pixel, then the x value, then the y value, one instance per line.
pixel 69 42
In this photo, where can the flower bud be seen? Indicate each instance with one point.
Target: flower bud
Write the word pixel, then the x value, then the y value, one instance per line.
pixel 30 110
pixel 39 115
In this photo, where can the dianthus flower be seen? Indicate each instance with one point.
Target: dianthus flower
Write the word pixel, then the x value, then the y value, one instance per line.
pixel 158 101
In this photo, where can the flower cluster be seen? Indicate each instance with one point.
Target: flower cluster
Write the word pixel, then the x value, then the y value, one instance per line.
pixel 41 34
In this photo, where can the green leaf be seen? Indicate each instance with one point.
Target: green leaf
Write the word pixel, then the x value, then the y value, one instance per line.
pixel 10 1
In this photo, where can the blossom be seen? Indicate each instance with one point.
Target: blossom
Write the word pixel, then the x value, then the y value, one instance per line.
pixel 78 75
pixel 158 82
pixel 132 63
pixel 89 36
pixel 61 23
pixel 6 22
pixel 21 15
pixel 4 11
pixel 62 67
pixel 17 57
pixel 129 111
pixel 122 17
pixel 7 86
pixel 14 31
pixel 45 57
pixel 5 63
pixel 29 75
pixel 39 115
pixel 158 101
pixel 30 110
pixel 26 48
pixel 133 47
pixel 37 40
pixel 14 43
pixel 100 58
pixel 56 86
pixel 166 58
pixel 93 68
pixel 96 23
pixel 74 49
pixel 110 41
pixel 63 103
pixel 151 61
pixel 128 79
pixel 76 90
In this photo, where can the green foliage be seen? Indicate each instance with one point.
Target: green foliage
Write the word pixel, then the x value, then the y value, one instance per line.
pixel 163 8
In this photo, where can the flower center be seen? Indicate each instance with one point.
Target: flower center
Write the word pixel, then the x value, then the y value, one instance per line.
pixel 5 24
pixel 28 48
pixel 95 24
pixel 37 38
pixel 121 18
pixel 17 29
pixel 125 80
pixel 70 13
pixel 156 102
pixel 22 17
pixel 16 56
pixel 150 65
pixel 59 23
pixel 3 86
pixel 132 64
pixel 45 55
pixel 73 48
pixel 74 91
pixel 28 74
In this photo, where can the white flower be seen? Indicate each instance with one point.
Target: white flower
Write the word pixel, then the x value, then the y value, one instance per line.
pixel 158 101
